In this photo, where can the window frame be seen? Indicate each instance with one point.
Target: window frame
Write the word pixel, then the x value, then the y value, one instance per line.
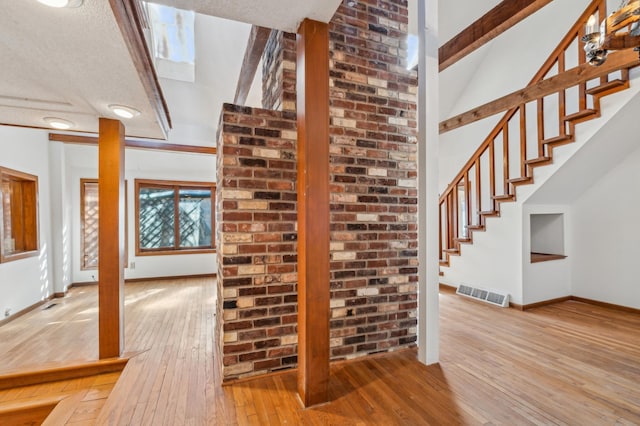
pixel 176 186
pixel 83 261
pixel 31 224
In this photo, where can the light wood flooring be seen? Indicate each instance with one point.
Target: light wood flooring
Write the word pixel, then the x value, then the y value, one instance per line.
pixel 566 364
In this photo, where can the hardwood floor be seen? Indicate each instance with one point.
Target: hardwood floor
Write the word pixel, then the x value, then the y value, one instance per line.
pixel 567 364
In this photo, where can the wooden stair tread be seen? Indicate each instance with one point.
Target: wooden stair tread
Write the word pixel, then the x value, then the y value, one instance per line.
pixel 503 197
pixel 521 180
pixel 580 114
pixel 476 227
pixel 61 372
pixel 490 213
pixel 463 240
pixel 538 161
pixel 444 262
pixel 558 140
pixel 452 251
pixel 607 88
pixel 31 403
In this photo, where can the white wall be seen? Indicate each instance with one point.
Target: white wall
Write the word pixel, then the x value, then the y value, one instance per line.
pixel 82 162
pixel 605 246
pixel 60 258
pixel 25 282
pixel 494 260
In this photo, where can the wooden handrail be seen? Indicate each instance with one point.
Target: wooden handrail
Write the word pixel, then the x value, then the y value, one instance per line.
pixel 581 73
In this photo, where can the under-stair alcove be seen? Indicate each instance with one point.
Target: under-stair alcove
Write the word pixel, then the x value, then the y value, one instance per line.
pixel 547 237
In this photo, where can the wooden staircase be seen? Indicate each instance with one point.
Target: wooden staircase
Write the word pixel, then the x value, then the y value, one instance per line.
pixel 58 394
pixel 524 139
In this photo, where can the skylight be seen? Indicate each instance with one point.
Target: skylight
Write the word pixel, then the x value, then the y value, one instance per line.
pixel 173 41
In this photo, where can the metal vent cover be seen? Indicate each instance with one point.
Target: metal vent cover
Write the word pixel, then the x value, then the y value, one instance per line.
pixel 484 295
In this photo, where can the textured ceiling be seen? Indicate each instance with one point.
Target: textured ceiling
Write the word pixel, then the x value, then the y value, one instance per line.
pixel 73 63
pixel 284 15
pixel 70 64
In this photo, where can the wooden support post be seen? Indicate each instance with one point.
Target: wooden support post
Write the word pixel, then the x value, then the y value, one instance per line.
pixel 313 211
pixel 111 237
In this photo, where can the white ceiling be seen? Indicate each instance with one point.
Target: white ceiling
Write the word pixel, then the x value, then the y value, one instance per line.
pixel 285 15
pixel 67 63
pixel 71 63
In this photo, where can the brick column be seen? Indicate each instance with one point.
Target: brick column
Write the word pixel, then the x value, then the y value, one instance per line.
pixel 256 204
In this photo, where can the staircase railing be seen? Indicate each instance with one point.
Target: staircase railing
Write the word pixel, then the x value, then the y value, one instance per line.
pixel 522 140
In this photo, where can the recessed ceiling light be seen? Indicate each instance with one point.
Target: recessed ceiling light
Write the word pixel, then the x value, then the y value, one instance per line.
pixel 58 123
pixel 124 111
pixel 61 3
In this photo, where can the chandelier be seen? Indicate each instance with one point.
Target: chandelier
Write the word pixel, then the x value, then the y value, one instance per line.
pixel 620 30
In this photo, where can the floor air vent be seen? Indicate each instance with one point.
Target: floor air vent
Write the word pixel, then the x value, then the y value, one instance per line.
pixel 484 295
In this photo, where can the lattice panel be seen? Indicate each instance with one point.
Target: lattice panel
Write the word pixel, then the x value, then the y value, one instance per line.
pixel 156 218
pixel 90 226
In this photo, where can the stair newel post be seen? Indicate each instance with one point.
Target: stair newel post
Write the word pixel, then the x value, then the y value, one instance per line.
pixel 523 140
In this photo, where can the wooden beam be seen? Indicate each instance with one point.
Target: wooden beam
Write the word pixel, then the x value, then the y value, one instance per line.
pixel 111 239
pixel 134 143
pixel 255 48
pixel 313 211
pixel 579 74
pixel 128 17
pixel 499 19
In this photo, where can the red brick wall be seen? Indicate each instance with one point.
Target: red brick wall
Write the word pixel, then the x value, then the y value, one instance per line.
pixel 256 205
pixel 279 72
pixel 373 199
pixel 373 180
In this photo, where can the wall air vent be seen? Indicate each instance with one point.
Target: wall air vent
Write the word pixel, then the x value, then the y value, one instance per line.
pixel 487 296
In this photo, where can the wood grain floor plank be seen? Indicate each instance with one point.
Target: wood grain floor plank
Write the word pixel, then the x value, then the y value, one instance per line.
pixel 564 364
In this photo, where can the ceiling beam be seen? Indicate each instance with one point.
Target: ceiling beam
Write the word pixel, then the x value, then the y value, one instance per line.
pixel 129 19
pixel 579 74
pixel 255 48
pixel 499 19
pixel 134 143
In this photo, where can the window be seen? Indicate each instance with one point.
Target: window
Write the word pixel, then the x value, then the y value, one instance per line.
pixel 89 223
pixel 19 211
pixel 173 41
pixel 89 220
pixel 174 217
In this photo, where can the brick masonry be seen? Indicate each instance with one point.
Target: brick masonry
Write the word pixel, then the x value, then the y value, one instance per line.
pixel 256 208
pixel 279 72
pixel 373 199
